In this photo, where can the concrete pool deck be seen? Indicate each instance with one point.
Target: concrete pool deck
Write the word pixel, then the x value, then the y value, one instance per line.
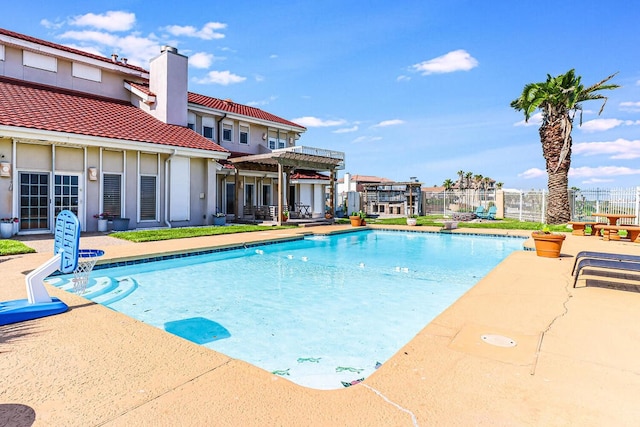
pixel 576 361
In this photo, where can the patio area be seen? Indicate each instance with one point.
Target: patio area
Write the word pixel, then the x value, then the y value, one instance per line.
pixel 575 362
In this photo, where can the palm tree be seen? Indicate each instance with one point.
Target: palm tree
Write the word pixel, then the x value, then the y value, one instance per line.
pixel 447 184
pixel 559 99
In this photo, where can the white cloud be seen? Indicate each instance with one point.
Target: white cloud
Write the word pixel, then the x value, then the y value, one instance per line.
pixel 596 181
pixel 314 122
pixel 601 172
pixel 262 102
pixel 89 49
pixel 532 173
pixel 201 60
pixel 137 49
pixel 457 60
pixel 209 31
pixel 620 149
pixel 112 20
pixel 346 130
pixel 630 106
pixel 598 125
pixel 403 78
pixel 273 56
pixel 51 25
pixel 535 120
pixel 386 123
pixel 223 78
pixel 362 139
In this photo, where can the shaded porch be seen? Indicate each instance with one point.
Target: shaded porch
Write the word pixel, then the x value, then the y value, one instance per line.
pixel 284 163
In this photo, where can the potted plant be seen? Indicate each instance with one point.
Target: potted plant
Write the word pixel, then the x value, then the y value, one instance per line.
pixel 548 244
pixel 6 227
pixel 219 218
pixel 285 215
pixel 412 220
pixel 103 221
pixel 588 230
pixel 357 218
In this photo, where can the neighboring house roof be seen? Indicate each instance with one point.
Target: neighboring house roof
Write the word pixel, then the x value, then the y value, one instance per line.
pixel 34 106
pixel 366 179
pixel 243 110
pixel 68 49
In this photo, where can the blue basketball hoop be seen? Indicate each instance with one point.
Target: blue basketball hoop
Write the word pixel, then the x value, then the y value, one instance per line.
pixel 67 240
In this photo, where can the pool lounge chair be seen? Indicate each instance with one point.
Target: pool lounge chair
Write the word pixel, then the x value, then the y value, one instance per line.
pixel 615 265
pixel 603 255
pixel 480 212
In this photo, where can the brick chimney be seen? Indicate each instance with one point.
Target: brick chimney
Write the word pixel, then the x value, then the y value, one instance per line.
pixel 168 78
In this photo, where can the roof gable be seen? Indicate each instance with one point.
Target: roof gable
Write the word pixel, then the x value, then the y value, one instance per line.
pixel 33 106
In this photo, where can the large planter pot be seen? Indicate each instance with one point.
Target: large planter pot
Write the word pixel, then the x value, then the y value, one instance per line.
pixel 102 224
pixel 6 230
pixel 120 224
pixel 548 245
pixel 356 221
pixel 412 221
pixel 219 220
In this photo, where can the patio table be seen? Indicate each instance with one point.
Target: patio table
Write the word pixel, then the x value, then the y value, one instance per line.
pixel 614 218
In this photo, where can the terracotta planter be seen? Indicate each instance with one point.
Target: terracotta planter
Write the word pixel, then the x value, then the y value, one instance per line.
pixel 548 245
pixel 356 221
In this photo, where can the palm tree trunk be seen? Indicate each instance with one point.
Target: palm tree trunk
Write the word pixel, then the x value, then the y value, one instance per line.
pixel 552 137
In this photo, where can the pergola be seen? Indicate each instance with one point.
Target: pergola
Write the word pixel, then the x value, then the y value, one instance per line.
pixel 284 161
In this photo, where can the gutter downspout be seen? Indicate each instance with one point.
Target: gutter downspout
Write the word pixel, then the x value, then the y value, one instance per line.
pixel 166 187
pixel 219 141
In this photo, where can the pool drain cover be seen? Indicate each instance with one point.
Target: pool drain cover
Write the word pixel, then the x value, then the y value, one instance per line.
pixel 498 340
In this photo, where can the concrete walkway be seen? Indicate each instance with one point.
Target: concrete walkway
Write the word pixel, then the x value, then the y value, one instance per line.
pixel 575 362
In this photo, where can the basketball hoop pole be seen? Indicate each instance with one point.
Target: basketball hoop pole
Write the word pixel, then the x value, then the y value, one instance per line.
pixel 36 291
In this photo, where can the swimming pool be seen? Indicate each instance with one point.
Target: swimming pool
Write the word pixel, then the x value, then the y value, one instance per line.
pixel 323 312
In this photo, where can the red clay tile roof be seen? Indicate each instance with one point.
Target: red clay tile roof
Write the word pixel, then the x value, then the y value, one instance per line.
pixel 244 110
pixel 142 87
pixel 67 49
pixel 304 174
pixel 34 106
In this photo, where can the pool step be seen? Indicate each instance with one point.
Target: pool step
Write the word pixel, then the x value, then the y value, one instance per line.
pixel 102 290
pixel 125 286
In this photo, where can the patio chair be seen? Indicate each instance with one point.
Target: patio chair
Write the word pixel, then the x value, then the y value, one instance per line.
pixel 480 212
pixel 491 214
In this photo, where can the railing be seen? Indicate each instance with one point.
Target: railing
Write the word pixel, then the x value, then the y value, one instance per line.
pixel 312 151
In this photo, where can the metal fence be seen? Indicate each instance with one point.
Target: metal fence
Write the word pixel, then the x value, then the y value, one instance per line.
pixel 531 205
pixel 450 201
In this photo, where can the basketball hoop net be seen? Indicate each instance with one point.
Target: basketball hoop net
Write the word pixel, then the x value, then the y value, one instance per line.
pixel 86 261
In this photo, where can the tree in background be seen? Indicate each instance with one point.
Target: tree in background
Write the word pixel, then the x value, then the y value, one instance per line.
pixel 559 99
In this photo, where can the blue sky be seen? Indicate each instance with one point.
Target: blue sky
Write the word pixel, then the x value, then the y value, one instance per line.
pixel 409 88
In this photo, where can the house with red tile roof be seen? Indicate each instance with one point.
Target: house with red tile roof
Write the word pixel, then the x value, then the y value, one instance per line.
pixel 99 136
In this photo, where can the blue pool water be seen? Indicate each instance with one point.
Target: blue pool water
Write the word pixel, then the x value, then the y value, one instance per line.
pixel 319 311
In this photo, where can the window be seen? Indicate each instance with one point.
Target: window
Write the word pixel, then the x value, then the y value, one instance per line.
pixel 272 144
pixel 227 132
pixel 191 126
pixel 1 52
pixel 266 194
pixel 244 134
pixel 207 132
pixel 148 198
pixel 112 194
